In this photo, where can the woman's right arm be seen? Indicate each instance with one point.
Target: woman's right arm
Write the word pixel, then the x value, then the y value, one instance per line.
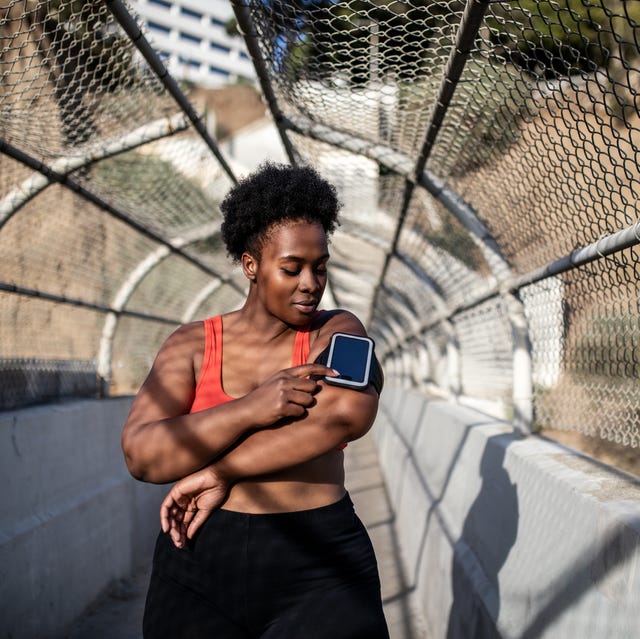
pixel 162 442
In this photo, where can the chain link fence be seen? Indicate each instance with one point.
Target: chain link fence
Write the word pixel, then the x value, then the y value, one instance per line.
pixel 109 219
pixel 487 155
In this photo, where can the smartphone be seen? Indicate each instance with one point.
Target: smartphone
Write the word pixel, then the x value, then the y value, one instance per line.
pixel 351 356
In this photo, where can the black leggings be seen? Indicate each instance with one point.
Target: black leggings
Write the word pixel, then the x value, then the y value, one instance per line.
pixel 309 575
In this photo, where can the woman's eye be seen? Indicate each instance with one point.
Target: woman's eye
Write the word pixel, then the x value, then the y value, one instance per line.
pixel 291 273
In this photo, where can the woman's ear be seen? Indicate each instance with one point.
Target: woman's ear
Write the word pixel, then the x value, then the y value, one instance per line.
pixel 249 266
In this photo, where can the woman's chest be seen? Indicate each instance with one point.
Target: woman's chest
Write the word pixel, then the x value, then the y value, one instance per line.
pixel 244 369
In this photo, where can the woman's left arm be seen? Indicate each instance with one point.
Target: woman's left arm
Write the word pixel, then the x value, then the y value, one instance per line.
pixel 338 414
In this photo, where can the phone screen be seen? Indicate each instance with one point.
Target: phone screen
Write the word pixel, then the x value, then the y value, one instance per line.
pixel 350 358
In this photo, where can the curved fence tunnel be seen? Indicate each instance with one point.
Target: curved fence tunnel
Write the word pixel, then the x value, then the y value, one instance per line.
pixel 486 154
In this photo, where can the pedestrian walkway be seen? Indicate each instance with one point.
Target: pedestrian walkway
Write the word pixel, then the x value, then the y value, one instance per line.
pixel 366 487
pixel 118 615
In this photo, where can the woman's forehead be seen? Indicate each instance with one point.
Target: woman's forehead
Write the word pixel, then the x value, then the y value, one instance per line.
pixel 298 235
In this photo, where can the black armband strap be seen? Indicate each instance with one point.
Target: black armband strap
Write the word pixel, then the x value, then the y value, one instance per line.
pixel 376 378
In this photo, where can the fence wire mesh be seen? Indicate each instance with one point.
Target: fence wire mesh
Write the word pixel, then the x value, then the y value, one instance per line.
pixel 480 149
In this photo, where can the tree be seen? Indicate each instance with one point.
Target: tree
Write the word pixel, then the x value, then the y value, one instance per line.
pixel 552 39
pixel 319 38
pixel 81 51
pixel 560 37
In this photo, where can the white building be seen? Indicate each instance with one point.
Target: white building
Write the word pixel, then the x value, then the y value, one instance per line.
pixel 191 38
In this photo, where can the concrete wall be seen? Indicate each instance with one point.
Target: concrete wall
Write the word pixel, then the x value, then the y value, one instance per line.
pixel 72 519
pixel 505 536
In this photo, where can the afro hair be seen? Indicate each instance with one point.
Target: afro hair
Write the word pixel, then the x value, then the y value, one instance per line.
pixel 275 194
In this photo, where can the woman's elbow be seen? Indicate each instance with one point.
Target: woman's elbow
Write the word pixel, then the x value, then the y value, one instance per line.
pixel 135 468
pixel 358 417
pixel 361 427
pixel 134 458
pixel 142 471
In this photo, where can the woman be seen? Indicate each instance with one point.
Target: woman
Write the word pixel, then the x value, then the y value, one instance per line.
pixel 259 538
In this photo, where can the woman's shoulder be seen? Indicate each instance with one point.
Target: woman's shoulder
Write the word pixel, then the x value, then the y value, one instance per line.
pixel 185 339
pixel 326 323
pixel 190 330
pixel 338 320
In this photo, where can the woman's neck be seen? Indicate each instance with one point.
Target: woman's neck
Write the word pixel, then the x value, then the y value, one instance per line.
pixel 254 319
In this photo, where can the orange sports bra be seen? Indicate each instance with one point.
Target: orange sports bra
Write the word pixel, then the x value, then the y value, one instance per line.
pixel 209 391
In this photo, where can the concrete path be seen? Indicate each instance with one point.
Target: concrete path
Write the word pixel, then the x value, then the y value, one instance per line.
pixel 366 487
pixel 118 615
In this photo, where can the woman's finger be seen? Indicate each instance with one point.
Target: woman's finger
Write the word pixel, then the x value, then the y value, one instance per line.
pixel 176 512
pixel 301 398
pixel 165 510
pixel 164 518
pixel 189 515
pixel 176 534
pixel 199 518
pixel 304 370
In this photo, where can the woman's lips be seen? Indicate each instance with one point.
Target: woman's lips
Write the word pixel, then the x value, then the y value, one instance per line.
pixel 306 307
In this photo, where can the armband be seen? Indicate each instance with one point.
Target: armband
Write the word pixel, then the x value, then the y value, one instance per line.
pixel 376 378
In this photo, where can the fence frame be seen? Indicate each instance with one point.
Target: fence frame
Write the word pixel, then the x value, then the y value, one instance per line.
pixel 503 282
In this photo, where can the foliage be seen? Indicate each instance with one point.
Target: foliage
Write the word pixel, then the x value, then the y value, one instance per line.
pixel 552 38
pixel 492 120
pixel 456 242
pixel 211 245
pixel 549 39
pixel 231 28
pixel 81 36
pixel 448 236
pixel 134 176
pixel 555 38
pixel 84 55
pixel 318 37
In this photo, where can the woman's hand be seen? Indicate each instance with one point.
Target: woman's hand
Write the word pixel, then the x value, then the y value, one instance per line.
pixel 190 502
pixel 287 394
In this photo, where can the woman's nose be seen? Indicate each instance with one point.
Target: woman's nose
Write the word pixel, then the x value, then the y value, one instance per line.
pixel 309 281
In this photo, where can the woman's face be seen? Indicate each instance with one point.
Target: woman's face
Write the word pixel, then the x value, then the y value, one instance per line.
pixel 291 274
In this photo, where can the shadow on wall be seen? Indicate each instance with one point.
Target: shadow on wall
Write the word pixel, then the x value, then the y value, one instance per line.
pixel 489 532
pixel 558 555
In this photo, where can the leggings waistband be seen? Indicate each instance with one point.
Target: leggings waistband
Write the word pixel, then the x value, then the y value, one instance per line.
pixel 337 509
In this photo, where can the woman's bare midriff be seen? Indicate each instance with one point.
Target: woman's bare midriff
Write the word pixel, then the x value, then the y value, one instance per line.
pixel 311 485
